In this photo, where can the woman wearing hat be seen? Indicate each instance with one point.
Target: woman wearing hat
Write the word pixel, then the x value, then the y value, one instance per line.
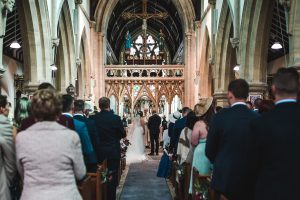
pixel 204 110
pixel 172 118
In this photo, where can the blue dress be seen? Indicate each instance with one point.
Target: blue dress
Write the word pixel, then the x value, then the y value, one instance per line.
pixel 200 162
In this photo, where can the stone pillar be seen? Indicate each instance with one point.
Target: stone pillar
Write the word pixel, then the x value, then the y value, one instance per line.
pixel 5 7
pixel 221 99
pixel 98 64
pixel 294 31
pixel 236 31
pixel 258 89
pixel 199 49
pixel 190 70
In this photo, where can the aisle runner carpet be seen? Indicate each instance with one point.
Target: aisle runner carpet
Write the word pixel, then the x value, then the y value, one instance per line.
pixel 142 184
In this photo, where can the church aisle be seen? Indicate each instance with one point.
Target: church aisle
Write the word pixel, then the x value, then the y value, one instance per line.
pixel 142 184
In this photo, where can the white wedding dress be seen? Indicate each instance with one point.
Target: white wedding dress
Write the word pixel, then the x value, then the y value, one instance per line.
pixel 136 151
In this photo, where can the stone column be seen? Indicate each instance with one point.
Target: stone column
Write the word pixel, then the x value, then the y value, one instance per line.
pixel 190 70
pixel 236 31
pixel 5 7
pixel 294 31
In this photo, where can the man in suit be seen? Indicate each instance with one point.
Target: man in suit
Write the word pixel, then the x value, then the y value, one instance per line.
pixel 81 128
pixel 178 127
pixel 226 143
pixel 79 115
pixel 110 131
pixel 153 126
pixel 273 156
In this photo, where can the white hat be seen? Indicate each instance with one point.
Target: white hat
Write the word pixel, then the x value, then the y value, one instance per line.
pixel 173 117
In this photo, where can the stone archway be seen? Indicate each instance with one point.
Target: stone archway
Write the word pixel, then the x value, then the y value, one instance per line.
pixel 36 37
pixel 225 56
pixel 65 55
pixel 254 43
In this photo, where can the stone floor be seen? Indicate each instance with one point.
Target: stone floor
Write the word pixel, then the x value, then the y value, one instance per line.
pixel 141 182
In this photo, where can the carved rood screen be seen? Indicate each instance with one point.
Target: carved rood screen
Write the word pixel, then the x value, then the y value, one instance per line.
pixel 131 84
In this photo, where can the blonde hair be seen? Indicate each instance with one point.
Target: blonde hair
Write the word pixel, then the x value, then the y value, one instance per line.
pixel 46 105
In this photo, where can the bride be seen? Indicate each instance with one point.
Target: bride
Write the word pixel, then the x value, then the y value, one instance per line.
pixel 136 151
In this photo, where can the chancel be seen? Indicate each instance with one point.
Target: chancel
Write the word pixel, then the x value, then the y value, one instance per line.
pixel 116 93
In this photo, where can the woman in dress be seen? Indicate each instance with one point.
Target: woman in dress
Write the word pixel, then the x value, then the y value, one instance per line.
pixel 204 111
pixel 136 151
pixel 49 155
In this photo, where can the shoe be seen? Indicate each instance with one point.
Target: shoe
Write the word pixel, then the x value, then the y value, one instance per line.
pixel 151 154
pixel 157 154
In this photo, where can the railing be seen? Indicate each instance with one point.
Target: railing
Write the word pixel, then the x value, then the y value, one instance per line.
pixel 144 72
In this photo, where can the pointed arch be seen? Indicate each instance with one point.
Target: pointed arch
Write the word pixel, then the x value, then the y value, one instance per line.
pixel 225 54
pixel 36 34
pixel 65 55
pixel 254 45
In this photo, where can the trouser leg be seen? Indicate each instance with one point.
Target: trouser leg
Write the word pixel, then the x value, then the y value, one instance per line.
pixel 152 143
pixel 156 144
pixel 113 166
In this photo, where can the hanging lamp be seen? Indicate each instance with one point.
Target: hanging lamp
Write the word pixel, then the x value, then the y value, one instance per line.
pixel 15 44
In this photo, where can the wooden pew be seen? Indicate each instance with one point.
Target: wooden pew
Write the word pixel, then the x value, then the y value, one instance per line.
pixel 86 188
pixel 201 182
pixel 99 187
pixel 183 182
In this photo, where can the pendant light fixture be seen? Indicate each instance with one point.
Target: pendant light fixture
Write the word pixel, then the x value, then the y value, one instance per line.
pixel 276 45
pixel 15 44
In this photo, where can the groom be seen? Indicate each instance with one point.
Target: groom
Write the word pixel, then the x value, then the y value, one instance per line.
pixel 153 126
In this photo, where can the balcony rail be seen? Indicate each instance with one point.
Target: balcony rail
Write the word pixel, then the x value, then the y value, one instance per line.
pixel 144 72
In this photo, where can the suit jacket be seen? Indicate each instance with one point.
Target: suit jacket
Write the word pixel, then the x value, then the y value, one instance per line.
pixel 8 167
pixel 49 157
pixel 154 124
pixel 274 153
pixel 226 149
pixel 87 147
pixel 63 120
pixel 178 127
pixel 110 130
pixel 91 129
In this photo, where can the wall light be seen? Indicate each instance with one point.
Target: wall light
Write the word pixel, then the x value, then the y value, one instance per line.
pixel 236 68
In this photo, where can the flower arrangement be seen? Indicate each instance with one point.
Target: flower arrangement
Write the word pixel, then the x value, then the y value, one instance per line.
pixel 201 189
pixel 106 176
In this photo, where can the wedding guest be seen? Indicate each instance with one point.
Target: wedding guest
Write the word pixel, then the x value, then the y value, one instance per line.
pixel 82 130
pixel 184 149
pixel 273 154
pixel 226 144
pixel 257 103
pixel 91 161
pixel 110 131
pixel 204 112
pixel 249 105
pixel 178 126
pixel 23 110
pixel 266 106
pixel 172 119
pixel 49 156
pixel 63 120
pixel 7 151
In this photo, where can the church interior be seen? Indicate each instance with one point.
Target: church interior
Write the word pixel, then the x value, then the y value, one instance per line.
pixel 146 55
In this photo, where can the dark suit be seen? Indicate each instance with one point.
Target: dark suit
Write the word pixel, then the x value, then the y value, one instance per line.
pixel 226 148
pixel 274 149
pixel 110 130
pixel 178 127
pixel 88 151
pixel 153 126
pixel 90 124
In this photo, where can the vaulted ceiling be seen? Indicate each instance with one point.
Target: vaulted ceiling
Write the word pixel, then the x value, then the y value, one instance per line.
pixel 171 26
